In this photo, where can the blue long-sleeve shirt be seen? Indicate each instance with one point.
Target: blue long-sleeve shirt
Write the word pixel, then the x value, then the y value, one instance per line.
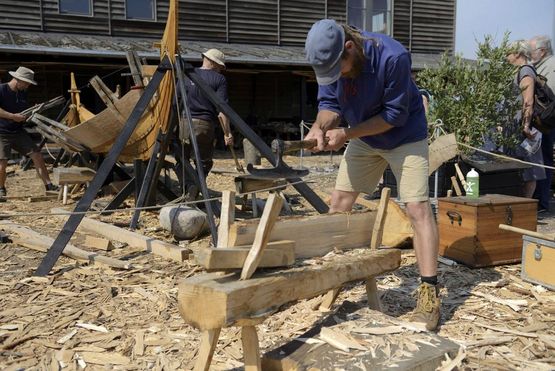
pixel 383 88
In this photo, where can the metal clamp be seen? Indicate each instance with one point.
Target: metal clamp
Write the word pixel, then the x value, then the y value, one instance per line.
pixel 538 252
pixel 509 215
pixel 454 216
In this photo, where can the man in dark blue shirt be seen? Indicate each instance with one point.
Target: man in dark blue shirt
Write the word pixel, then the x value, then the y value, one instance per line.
pixel 365 78
pixel 13 100
pixel 204 113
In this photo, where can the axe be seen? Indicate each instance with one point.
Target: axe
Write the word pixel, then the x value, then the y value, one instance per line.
pixel 238 166
pixel 281 170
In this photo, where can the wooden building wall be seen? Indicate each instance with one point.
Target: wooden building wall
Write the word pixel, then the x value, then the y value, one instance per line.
pixel 429 27
pixel 423 26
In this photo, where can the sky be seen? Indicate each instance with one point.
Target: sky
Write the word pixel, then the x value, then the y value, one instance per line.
pixel 523 18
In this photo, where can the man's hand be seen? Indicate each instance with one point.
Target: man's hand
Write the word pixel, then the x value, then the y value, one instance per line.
pixel 18 117
pixel 318 134
pixel 336 139
pixel 228 139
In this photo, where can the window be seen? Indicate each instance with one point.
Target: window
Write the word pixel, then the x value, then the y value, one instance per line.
pixel 370 15
pixel 140 9
pixel 80 7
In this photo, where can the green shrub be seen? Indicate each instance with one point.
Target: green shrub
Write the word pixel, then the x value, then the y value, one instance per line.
pixel 474 98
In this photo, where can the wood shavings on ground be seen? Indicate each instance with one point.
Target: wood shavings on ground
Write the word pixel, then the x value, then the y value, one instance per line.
pixel 39 317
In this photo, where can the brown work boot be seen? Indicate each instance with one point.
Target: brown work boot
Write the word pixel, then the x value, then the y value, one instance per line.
pixel 427 307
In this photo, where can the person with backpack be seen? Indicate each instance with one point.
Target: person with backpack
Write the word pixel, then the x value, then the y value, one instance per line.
pixel 529 148
pixel 541 56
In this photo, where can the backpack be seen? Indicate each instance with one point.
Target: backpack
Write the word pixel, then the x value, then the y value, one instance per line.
pixel 544 103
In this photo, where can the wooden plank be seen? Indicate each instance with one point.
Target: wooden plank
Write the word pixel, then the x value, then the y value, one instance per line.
pixel 157 247
pixel 276 254
pixel 314 235
pixel 27 237
pixel 214 300
pixel 65 175
pixel 251 348
pixel 377 231
pixel 455 185
pixel 108 97
pixel 227 217
pixel 262 235
pixel 98 243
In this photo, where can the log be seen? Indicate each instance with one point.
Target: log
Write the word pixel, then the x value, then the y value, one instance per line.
pixel 111 232
pixel 277 254
pixel 27 237
pixel 213 300
pixel 314 235
pixel 98 243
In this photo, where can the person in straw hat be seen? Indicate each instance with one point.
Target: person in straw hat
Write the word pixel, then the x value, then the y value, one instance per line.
pixel 13 100
pixel 205 116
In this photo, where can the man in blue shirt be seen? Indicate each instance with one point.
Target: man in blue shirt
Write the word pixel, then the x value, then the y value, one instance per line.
pixel 365 79
pixel 13 100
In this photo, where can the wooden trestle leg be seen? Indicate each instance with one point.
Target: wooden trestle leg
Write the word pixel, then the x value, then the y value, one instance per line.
pixel 251 348
pixel 207 346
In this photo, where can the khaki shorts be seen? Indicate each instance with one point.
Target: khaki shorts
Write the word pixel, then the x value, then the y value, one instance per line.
pixel 362 167
pixel 19 141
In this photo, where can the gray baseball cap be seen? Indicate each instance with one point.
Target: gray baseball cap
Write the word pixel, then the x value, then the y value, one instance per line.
pixel 323 47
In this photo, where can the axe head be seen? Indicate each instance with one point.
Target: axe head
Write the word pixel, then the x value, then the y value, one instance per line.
pixel 281 171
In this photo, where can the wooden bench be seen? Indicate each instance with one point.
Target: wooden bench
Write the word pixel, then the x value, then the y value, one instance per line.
pixel 212 301
pixel 215 300
pixel 64 176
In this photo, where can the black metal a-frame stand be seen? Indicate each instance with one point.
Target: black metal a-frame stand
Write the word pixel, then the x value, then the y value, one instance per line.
pixel 85 202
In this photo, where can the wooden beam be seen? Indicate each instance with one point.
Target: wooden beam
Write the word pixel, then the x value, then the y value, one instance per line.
pixel 377 231
pixel 314 235
pixel 27 237
pixel 227 217
pixel 262 235
pixel 157 247
pixel 108 97
pixel 65 175
pixel 276 254
pixel 214 300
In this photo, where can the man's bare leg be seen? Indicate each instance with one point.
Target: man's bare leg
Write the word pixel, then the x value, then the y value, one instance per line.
pixel 40 166
pixel 426 241
pixel 342 201
pixel 3 168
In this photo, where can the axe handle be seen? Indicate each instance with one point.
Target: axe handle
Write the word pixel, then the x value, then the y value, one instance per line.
pixel 238 166
pixel 297 145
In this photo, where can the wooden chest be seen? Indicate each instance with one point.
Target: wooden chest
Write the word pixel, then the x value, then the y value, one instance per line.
pixel 538 261
pixel 469 233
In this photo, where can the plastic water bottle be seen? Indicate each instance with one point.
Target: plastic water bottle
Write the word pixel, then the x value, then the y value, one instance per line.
pixel 472 187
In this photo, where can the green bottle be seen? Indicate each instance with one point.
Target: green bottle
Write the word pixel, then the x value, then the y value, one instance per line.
pixel 472 187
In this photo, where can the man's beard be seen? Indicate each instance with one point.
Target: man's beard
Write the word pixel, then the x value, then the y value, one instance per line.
pixel 358 65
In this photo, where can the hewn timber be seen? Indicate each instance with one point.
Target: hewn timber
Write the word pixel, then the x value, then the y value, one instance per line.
pixel 214 300
pixel 314 235
pixel 157 247
pixel 27 237
pixel 276 254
